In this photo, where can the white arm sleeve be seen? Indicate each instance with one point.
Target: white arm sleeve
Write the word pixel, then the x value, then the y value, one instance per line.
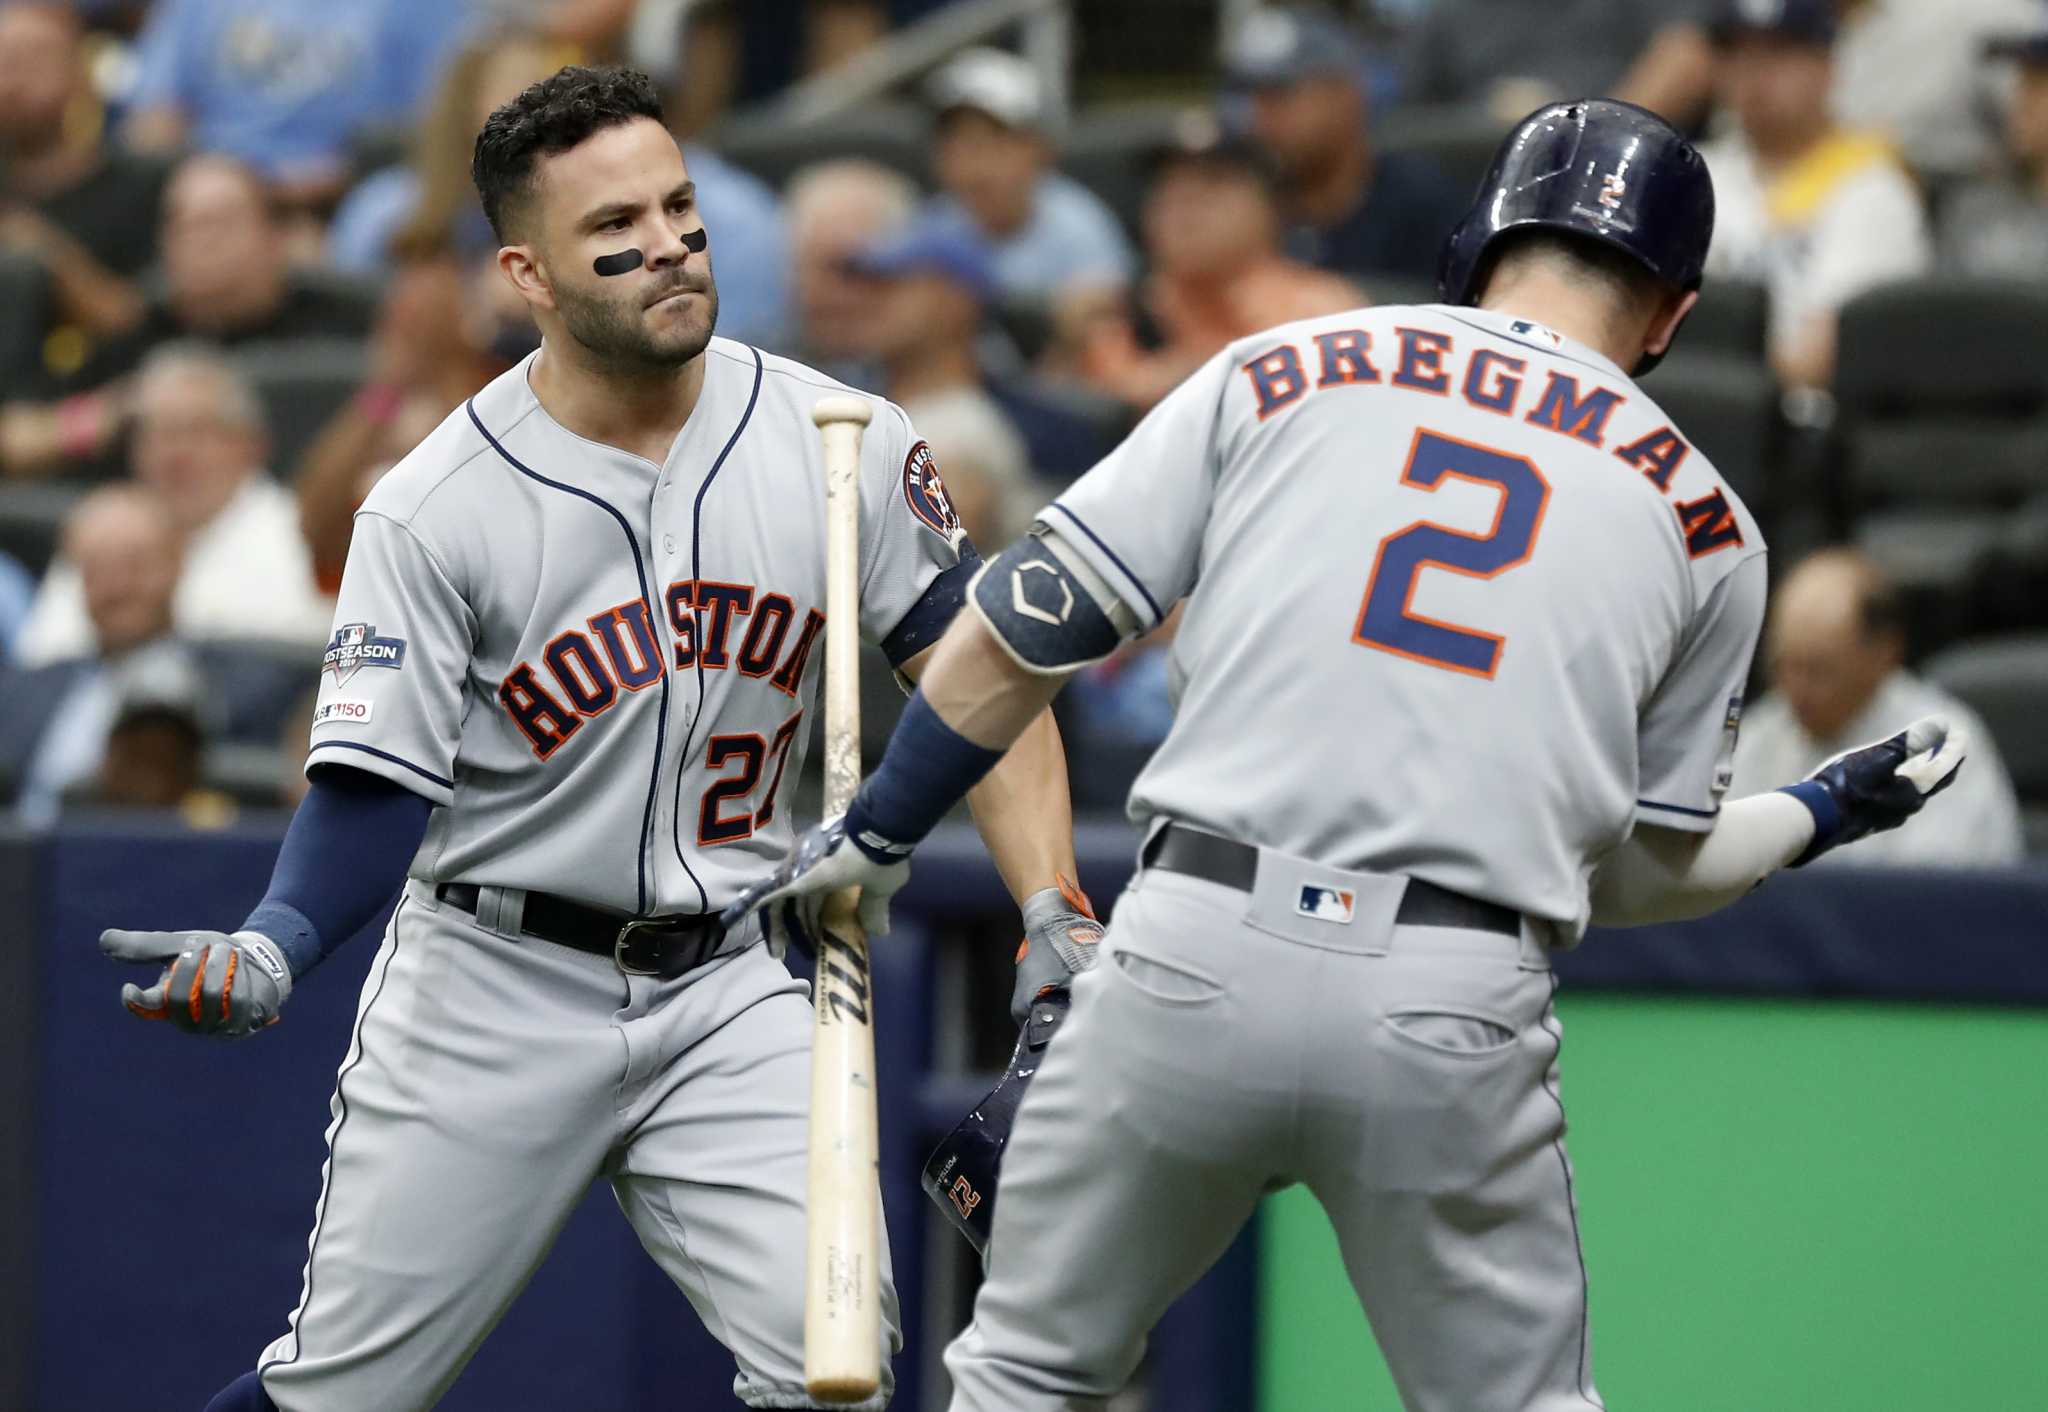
pixel 1671 875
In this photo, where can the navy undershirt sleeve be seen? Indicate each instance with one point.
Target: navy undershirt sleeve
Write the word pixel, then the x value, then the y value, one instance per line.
pixel 344 855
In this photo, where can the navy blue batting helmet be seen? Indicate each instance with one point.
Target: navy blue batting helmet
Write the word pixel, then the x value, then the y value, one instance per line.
pixel 1597 168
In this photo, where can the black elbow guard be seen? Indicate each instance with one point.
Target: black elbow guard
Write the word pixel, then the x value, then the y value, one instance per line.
pixel 1042 611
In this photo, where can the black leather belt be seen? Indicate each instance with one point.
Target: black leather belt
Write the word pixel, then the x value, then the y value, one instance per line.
pixel 640 946
pixel 1222 860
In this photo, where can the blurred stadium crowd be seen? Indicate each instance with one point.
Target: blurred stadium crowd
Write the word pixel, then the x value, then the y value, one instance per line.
pixel 242 272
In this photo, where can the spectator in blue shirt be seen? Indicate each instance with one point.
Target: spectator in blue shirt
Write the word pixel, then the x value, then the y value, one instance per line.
pixel 286 85
pixel 1045 231
pixel 1348 206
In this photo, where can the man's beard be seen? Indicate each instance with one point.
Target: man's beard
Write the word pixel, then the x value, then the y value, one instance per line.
pixel 616 332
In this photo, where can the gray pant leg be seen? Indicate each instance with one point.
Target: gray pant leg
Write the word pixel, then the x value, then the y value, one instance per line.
pixel 1141 1149
pixel 1449 1189
pixel 469 1117
pixel 715 1167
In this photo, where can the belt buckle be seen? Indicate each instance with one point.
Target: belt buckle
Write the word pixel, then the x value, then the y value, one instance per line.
pixel 623 944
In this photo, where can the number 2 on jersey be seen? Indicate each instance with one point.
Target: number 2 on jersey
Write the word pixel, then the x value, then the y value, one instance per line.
pixel 1385 620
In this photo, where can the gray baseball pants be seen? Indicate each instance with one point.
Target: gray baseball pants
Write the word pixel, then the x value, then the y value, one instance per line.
pixel 1229 1044
pixel 491 1079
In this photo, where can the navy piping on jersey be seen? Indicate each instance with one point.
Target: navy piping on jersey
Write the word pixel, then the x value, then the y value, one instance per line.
pixel 1546 349
pixel 697 635
pixel 1679 809
pixel 327 1189
pixel 646 600
pixel 383 755
pixel 1139 583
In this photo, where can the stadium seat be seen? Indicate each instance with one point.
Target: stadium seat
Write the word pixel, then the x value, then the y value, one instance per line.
pixel 246 773
pixel 2009 592
pixel 1730 318
pixel 257 685
pixel 1459 139
pixel 1729 408
pixel 301 386
pixel 24 315
pixel 2005 681
pixel 897 135
pixel 1942 386
pixel 32 516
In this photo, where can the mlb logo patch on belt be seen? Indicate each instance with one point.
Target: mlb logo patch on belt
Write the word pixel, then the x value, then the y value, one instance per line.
pixel 1326 904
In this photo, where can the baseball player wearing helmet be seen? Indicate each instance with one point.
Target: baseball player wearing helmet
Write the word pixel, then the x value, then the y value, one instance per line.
pixel 571 678
pixel 1467 626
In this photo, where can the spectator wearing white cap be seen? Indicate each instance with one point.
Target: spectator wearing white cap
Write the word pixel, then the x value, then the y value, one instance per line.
pixel 1348 206
pixel 1997 228
pixel 1815 212
pixel 994 157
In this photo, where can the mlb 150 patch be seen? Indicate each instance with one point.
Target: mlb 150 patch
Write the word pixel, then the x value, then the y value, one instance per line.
pixel 355 646
pixel 343 713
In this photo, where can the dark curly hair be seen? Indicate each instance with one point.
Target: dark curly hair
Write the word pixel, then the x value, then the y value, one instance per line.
pixel 558 113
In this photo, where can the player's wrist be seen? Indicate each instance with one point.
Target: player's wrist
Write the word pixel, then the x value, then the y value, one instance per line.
pixel 266 953
pixel 286 932
pixel 1826 810
pixel 874 842
pixel 927 769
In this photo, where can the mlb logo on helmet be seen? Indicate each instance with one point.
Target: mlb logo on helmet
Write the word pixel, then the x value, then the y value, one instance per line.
pixel 1326 904
pixel 355 646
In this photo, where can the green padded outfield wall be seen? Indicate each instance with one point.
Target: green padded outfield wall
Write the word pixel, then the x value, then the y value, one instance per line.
pixel 1786 1207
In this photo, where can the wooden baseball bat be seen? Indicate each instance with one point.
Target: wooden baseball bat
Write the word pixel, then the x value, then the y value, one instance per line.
pixel 842 1279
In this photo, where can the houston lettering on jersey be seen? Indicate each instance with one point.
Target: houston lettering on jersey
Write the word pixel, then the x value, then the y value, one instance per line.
pixel 582 670
pixel 1428 362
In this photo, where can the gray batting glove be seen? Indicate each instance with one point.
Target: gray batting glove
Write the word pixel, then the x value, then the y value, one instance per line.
pixel 214 983
pixel 1060 936
pixel 823 861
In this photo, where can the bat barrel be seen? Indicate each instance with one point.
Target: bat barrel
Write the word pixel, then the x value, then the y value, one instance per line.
pixel 842 1304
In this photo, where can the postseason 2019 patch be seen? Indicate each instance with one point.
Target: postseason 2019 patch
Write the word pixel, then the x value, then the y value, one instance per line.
pixel 356 646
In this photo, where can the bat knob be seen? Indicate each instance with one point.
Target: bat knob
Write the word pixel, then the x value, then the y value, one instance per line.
pixel 830 410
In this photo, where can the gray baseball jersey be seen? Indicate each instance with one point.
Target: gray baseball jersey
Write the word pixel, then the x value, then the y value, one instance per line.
pixel 1463 604
pixel 602 669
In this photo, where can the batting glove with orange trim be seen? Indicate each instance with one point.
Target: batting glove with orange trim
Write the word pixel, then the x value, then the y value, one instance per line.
pixel 214 983
pixel 1060 933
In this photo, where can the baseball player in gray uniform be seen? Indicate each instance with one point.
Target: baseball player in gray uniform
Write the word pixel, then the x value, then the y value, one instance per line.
pixel 568 693
pixel 1466 632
